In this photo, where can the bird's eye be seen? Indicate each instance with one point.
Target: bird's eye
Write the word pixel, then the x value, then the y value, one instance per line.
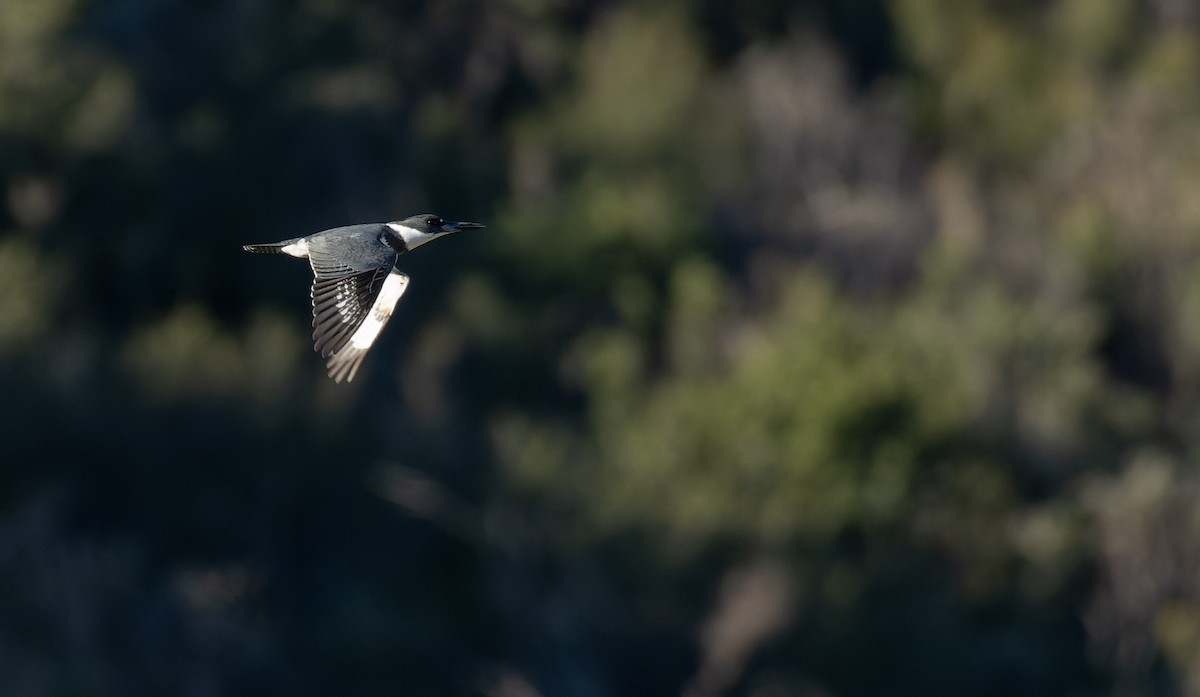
pixel 435 222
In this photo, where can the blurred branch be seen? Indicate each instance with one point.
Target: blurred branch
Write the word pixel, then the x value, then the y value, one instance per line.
pixel 423 497
pixel 755 603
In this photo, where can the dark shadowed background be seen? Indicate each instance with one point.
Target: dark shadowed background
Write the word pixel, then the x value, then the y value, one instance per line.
pixel 816 349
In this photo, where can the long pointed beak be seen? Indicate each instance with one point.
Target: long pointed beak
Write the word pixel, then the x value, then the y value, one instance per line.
pixel 466 226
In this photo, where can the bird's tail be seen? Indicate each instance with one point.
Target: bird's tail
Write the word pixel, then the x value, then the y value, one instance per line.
pixel 268 248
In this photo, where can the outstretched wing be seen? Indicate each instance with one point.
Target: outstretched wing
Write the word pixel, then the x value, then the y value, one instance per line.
pixel 350 308
pixel 344 360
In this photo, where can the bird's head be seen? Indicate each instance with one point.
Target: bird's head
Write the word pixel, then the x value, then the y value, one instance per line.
pixel 420 229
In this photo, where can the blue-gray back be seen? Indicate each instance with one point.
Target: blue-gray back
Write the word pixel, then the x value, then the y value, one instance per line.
pixel 354 248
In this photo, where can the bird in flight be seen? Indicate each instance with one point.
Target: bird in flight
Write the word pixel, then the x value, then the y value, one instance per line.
pixel 355 283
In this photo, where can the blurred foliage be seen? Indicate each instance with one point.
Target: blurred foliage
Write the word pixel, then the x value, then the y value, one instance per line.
pixel 813 348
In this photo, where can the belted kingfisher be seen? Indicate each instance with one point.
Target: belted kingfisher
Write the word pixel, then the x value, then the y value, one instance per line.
pixel 355 282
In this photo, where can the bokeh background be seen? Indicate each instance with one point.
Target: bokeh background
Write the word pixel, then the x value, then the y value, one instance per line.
pixel 822 348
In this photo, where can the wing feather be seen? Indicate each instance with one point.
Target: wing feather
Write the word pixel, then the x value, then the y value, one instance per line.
pixel 340 304
pixel 350 307
pixel 344 362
